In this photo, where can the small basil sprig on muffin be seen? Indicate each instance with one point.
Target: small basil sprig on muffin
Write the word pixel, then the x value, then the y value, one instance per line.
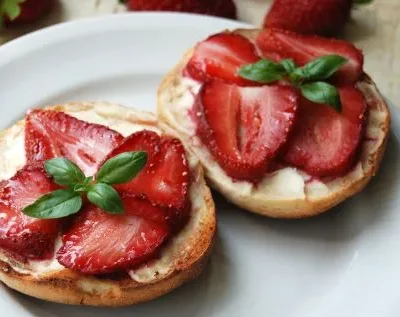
pixel 310 78
pixel 68 201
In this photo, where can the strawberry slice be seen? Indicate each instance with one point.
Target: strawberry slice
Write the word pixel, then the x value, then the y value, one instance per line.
pixel 220 57
pixel 50 134
pixel 98 242
pixel 244 128
pixel 325 142
pixel 25 236
pixel 278 44
pixel 165 178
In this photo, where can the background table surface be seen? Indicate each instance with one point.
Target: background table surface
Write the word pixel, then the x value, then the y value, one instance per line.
pixel 374 28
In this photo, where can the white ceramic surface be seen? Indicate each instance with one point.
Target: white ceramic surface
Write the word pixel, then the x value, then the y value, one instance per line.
pixel 345 263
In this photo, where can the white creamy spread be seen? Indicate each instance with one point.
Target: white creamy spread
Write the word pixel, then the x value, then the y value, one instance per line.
pixel 12 159
pixel 33 267
pixel 12 156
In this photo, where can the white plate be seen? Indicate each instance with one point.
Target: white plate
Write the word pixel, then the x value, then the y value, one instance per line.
pixel 345 263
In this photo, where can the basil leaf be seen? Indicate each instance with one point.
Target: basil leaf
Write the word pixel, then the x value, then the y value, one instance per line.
pixel 288 64
pixel 87 181
pixel 85 186
pixel 57 204
pixel 264 71
pixel 121 168
pixel 323 93
pixel 105 197
pixel 64 171
pixel 298 76
pixel 321 68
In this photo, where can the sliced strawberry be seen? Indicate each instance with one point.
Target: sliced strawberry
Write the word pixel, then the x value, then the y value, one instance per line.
pixel 220 57
pixel 244 127
pixel 325 142
pixel 50 134
pixel 278 44
pixel 98 242
pixel 27 237
pixel 165 178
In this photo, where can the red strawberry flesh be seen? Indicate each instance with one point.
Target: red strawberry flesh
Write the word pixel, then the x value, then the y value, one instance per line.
pixel 280 44
pixel 25 236
pixel 49 134
pixel 165 178
pixel 98 242
pixel 244 128
pixel 220 57
pixel 325 142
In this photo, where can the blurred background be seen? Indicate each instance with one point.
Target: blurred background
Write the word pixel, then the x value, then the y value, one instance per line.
pixel 373 26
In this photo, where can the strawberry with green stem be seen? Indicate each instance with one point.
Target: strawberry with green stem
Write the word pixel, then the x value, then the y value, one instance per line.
pixel 322 17
pixel 18 12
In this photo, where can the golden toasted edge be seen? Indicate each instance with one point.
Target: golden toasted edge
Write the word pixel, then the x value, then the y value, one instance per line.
pixel 69 287
pixel 296 208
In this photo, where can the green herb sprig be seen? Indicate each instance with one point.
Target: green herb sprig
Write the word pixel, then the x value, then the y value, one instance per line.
pixel 68 201
pixel 310 78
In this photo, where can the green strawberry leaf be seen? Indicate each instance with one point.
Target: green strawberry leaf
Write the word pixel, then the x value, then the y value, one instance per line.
pixel 264 71
pixel 10 8
pixel 322 93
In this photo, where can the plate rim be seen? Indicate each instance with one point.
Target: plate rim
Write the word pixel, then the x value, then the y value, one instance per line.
pixel 12 50
pixel 32 41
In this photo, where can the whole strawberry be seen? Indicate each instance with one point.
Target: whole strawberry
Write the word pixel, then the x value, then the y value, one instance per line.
pixel 323 17
pixel 18 12
pixel 222 8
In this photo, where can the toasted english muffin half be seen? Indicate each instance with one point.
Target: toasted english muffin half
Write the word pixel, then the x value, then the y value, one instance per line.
pixel 288 192
pixel 181 260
